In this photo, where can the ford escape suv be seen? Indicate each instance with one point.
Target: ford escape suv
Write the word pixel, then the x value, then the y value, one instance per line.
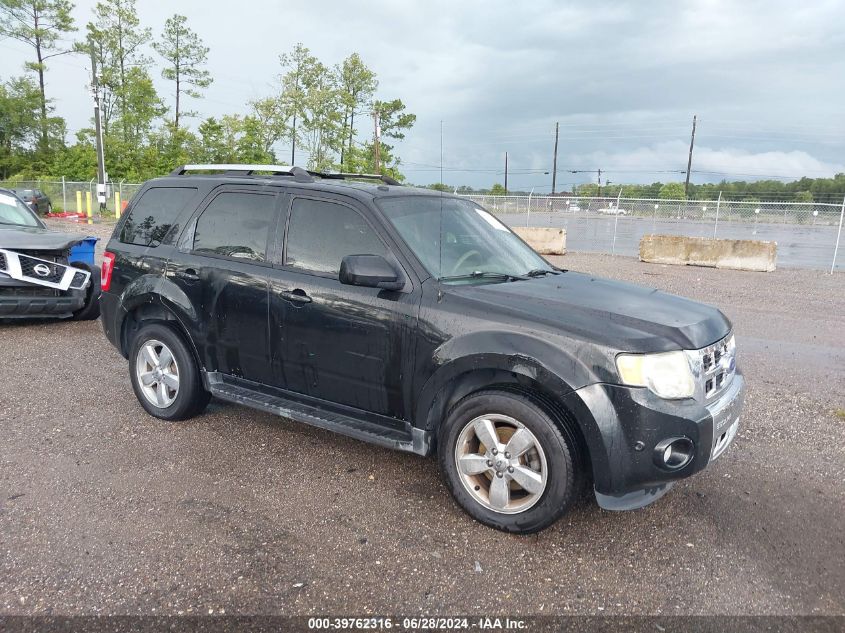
pixel 418 321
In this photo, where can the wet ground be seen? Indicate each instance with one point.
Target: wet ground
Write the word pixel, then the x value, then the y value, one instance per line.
pixel 104 509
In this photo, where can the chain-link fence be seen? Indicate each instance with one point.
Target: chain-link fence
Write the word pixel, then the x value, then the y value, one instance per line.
pixel 806 233
pixel 63 194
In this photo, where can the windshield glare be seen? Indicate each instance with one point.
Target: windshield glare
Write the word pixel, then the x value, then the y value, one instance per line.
pixel 13 211
pixel 453 237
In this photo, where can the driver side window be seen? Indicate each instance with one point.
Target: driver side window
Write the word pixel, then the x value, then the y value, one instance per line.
pixel 321 234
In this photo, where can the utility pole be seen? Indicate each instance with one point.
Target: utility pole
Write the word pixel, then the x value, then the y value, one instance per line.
pixel 441 152
pixel 554 161
pixel 293 142
pixel 689 160
pixel 101 158
pixel 506 173
pixel 377 141
pixel 599 181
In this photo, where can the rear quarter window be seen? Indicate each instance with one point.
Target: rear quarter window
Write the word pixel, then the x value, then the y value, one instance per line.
pixel 154 214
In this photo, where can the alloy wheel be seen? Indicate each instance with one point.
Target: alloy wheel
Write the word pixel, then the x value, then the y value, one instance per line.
pixel 501 463
pixel 157 373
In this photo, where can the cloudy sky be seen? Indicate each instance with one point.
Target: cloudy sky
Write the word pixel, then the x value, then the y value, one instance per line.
pixel 623 79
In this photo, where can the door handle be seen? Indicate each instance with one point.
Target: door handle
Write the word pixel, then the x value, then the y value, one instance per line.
pixel 295 296
pixel 189 274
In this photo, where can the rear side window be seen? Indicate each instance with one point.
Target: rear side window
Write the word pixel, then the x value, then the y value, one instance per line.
pixel 153 215
pixel 236 225
pixel 321 234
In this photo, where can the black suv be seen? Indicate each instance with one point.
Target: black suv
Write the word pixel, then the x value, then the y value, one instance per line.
pixel 418 321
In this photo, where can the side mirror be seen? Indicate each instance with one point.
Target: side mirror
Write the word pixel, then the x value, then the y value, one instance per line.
pixel 371 271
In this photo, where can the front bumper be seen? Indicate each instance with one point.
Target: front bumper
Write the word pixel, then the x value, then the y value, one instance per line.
pixel 33 306
pixel 630 422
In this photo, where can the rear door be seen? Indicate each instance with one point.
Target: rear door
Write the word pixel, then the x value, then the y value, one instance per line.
pixel 145 237
pixel 343 344
pixel 224 269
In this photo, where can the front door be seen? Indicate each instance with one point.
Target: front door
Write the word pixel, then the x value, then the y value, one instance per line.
pixel 343 344
pixel 225 272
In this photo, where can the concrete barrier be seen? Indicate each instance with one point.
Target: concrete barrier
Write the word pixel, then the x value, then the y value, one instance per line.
pixel 713 253
pixel 546 241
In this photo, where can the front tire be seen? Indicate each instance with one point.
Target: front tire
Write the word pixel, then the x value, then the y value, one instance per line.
pixel 507 463
pixel 91 308
pixel 164 374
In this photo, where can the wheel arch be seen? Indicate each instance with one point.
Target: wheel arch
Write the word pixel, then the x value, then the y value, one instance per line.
pixel 153 311
pixel 525 378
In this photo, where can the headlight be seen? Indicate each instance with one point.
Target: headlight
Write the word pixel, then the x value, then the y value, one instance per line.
pixel 668 374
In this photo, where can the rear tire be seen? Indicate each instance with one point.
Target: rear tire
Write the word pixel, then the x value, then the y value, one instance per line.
pixel 165 376
pixel 528 482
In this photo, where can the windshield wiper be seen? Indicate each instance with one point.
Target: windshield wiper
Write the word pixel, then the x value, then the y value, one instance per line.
pixel 536 272
pixel 483 274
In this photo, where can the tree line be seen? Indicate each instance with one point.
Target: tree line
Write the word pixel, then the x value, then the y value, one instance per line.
pixel 821 190
pixel 316 108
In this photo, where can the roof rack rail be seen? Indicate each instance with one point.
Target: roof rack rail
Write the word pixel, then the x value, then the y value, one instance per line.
pixel 342 176
pixel 298 173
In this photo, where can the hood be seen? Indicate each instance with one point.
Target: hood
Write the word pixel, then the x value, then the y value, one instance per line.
pixel 36 238
pixel 614 314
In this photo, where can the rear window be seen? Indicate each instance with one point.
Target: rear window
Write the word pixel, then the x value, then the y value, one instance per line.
pixel 236 225
pixel 153 215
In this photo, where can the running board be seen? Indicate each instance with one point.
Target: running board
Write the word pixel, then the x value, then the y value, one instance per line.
pixel 413 441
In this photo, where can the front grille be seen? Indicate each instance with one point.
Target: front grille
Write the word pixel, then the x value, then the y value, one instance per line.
pixel 44 269
pixel 3 261
pixel 33 268
pixel 718 366
pixel 50 256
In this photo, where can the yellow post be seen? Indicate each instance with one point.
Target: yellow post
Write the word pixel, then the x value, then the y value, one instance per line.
pixel 116 204
pixel 79 202
pixel 88 204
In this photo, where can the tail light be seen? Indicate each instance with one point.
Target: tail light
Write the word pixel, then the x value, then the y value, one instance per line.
pixel 108 268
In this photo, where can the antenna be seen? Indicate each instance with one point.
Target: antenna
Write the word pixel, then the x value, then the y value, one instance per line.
pixel 440 232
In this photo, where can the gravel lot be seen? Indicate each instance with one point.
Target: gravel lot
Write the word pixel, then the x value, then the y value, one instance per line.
pixel 107 510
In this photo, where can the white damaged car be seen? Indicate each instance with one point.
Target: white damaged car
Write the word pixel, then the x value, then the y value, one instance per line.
pixel 37 278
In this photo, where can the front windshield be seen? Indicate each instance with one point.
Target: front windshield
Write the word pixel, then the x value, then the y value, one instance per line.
pixel 456 240
pixel 15 212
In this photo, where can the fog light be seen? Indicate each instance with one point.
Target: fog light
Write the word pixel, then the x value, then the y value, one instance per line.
pixel 674 453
